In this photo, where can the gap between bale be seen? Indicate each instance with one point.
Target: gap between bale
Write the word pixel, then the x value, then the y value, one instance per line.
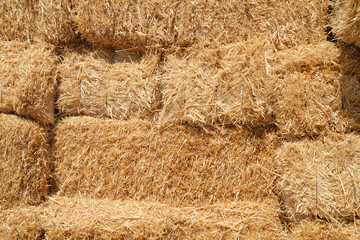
pixel 319 178
pixel 102 83
pixel 28 80
pixel 180 165
pixel 24 165
pixel 74 218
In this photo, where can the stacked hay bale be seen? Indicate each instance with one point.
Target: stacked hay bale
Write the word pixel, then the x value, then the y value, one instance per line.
pixel 320 178
pixel 28 80
pixel 149 23
pixel 25 162
pixel 174 164
pixel 99 83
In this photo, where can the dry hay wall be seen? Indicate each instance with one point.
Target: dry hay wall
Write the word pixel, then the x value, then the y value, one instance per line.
pixel 345 21
pixel 37 20
pixel 297 89
pixel 66 218
pixel 320 178
pixel 150 23
pixel 113 86
pixel 24 165
pixel 28 80
pixel 176 164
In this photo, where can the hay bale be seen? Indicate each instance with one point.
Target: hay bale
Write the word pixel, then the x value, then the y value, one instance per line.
pixel 24 165
pixel 28 80
pixel 18 20
pixel 307 90
pixel 82 218
pixel 297 89
pixel 320 178
pixel 345 21
pixel 178 164
pixel 149 23
pixel 318 229
pixel 54 23
pixel 226 85
pixel 111 86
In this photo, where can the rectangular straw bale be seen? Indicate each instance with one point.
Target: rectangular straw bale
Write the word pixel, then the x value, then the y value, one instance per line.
pixel 318 229
pixel 28 80
pixel 320 177
pixel 178 164
pixel 307 89
pixel 18 20
pixel 227 84
pixel 24 165
pixel 54 21
pixel 345 21
pixel 83 218
pixel 115 87
pixel 153 23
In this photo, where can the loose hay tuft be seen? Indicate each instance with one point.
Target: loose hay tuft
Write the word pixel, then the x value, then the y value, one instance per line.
pixel 114 86
pixel 82 218
pixel 174 164
pixel 321 178
pixel 150 23
pixel 24 165
pixel 28 80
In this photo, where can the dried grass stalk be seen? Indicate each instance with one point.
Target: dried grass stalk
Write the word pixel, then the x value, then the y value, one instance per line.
pixel 24 165
pixel 113 87
pixel 54 22
pixel 345 21
pixel 178 164
pixel 307 90
pixel 152 23
pixel 18 20
pixel 82 218
pixel 321 177
pixel 225 85
pixel 28 80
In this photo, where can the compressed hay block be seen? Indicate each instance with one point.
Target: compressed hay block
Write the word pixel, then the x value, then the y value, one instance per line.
pixel 226 85
pixel 307 90
pixel 28 80
pixel 111 86
pixel 54 21
pixel 82 218
pixel 18 20
pixel 320 177
pixel 37 20
pixel 178 164
pixel 24 165
pixel 296 89
pixel 345 21
pixel 318 229
pixel 153 23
